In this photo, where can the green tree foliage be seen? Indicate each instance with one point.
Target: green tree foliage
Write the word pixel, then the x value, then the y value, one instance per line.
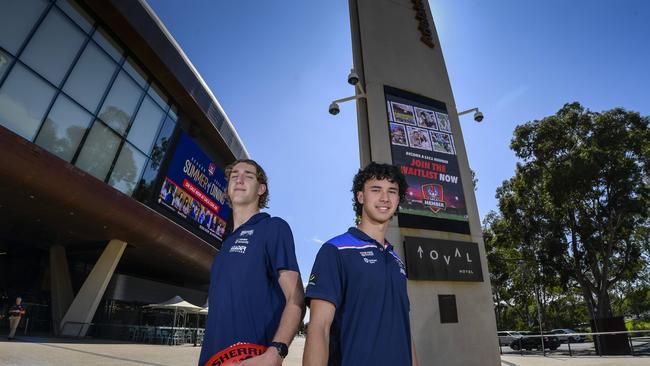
pixel 518 286
pixel 579 203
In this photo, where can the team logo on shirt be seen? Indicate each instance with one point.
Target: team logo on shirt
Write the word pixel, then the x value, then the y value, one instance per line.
pixel 312 279
pixel 241 249
pixel 370 260
pixel 246 232
pixel 241 242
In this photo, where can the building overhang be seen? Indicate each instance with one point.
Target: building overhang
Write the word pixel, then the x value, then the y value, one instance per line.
pixel 45 200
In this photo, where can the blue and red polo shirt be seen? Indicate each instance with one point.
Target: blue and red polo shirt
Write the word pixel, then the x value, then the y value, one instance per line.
pixel 245 299
pixel 366 282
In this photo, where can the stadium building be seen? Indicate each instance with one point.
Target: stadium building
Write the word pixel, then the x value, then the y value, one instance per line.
pixel 111 172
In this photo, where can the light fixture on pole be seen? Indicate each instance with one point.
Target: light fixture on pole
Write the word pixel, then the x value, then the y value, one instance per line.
pixel 353 79
pixel 478 116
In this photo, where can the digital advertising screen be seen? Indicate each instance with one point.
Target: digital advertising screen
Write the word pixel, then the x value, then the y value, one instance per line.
pixel 194 189
pixel 423 147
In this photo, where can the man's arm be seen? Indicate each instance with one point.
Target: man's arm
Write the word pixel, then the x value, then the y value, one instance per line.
pixel 414 355
pixel 294 309
pixel 318 333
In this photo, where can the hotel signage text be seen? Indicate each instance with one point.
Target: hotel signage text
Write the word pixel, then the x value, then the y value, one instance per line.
pixel 442 260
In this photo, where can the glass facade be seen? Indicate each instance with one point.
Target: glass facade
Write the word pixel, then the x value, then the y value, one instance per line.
pixel 68 86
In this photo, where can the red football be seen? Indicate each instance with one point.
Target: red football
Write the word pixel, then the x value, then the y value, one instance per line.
pixel 236 353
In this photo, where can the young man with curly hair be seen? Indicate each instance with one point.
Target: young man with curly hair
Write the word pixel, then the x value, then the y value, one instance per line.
pixel 357 287
pixel 256 294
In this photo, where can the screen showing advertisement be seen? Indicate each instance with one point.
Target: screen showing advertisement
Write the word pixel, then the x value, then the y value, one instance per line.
pixel 194 189
pixel 423 147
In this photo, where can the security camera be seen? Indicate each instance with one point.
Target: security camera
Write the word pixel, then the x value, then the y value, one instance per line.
pixel 478 116
pixel 334 109
pixel 353 78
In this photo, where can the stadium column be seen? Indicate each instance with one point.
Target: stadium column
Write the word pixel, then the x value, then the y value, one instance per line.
pixel 78 317
pixel 60 284
pixel 395 44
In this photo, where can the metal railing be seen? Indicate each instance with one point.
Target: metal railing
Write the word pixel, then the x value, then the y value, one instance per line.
pixel 638 341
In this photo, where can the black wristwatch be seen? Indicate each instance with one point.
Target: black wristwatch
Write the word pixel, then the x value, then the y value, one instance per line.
pixel 283 349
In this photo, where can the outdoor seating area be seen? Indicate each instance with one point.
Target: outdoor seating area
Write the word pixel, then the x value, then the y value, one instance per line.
pixel 166 335
pixel 172 322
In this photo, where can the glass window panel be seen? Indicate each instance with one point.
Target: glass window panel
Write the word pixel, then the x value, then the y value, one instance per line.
pixel 5 60
pixel 121 103
pixel 90 77
pixel 144 129
pixel 108 44
pixel 17 19
pixel 24 99
pixel 157 94
pixel 77 14
pixel 53 47
pixel 173 112
pixel 147 182
pixel 63 129
pixel 98 151
pixel 162 142
pixel 136 72
pixel 127 170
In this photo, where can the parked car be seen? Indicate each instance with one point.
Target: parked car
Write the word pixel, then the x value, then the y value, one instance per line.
pixel 565 338
pixel 507 336
pixel 534 340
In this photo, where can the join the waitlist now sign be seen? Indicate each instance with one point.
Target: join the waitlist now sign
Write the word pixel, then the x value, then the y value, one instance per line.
pixel 442 260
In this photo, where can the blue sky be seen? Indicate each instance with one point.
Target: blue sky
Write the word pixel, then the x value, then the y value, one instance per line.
pixel 276 65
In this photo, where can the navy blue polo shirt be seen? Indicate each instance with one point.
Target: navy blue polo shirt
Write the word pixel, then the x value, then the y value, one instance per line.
pixel 367 284
pixel 245 298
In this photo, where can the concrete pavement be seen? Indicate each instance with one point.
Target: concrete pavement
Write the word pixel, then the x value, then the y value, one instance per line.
pixel 47 351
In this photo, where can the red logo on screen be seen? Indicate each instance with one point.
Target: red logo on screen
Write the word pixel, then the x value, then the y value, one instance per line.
pixel 433 197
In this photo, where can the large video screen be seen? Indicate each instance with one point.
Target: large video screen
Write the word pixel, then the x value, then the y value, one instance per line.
pixel 194 189
pixel 423 147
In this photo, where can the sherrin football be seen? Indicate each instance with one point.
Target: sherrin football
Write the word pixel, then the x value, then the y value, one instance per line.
pixel 236 353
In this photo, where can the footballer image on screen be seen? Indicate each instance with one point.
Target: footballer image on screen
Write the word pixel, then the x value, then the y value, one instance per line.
pixel 398 134
pixel 442 142
pixel 443 122
pixel 426 118
pixel 403 113
pixel 419 138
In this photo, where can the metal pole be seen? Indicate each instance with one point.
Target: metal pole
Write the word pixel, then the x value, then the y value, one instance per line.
pixel 569 344
pixel 539 310
pixel 196 329
pixel 171 336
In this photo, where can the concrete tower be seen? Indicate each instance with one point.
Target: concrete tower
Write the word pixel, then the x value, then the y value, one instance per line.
pixel 408 117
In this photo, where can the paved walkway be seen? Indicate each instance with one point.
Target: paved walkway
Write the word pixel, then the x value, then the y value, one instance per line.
pixel 574 361
pixel 46 351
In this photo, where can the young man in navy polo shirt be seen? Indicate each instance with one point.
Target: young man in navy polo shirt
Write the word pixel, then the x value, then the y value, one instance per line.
pixel 256 294
pixel 357 288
